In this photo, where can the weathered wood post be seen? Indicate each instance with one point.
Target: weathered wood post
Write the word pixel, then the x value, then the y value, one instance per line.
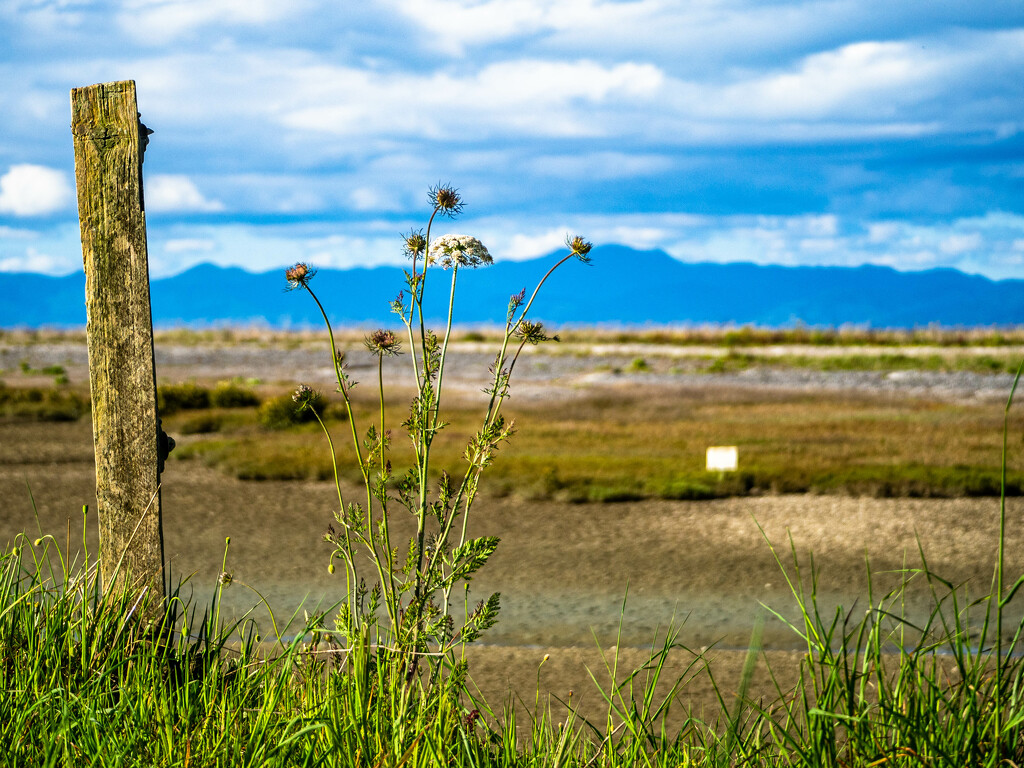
pixel 130 447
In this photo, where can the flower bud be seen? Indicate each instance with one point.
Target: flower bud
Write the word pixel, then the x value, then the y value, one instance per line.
pixel 580 248
pixel 415 243
pixel 299 275
pixel 382 342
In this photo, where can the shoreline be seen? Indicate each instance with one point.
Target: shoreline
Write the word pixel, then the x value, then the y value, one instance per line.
pixel 553 370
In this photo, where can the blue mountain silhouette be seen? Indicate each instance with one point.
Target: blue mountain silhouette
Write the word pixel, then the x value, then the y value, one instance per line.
pixel 622 286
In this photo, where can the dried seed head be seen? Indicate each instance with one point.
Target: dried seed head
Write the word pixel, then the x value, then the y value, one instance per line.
pixel 458 251
pixel 382 342
pixel 305 396
pixel 446 200
pixel 415 243
pixel 533 333
pixel 225 578
pixel 580 248
pixel 299 275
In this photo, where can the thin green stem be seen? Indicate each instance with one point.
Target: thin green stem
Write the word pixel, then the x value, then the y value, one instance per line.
pixel 510 329
pixel 999 563
pixel 424 438
pixel 407 321
pixel 349 564
pixel 421 288
pixel 492 414
pixel 412 350
pixel 444 348
pixel 383 496
pixel 330 333
pixel 536 290
pixel 342 388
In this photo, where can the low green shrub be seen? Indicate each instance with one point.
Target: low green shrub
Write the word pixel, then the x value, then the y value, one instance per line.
pixel 282 412
pixel 688 490
pixel 171 398
pixel 229 395
pixel 730 363
pixel 201 423
pixel 42 404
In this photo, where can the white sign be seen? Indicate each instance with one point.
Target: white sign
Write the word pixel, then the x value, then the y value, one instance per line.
pixel 723 458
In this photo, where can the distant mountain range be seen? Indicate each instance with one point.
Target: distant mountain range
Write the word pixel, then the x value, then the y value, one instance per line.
pixel 622 287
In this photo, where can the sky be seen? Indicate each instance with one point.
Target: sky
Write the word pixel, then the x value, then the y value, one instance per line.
pixel 820 132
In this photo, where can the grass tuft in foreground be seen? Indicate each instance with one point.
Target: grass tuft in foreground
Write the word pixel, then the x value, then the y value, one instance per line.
pixel 88 680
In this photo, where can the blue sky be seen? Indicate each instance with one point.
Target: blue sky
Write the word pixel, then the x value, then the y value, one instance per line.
pixel 837 132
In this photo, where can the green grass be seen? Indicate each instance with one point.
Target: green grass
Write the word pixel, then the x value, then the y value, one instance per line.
pixel 723 335
pixel 753 336
pixel 42 403
pixel 947 362
pixel 613 446
pixel 90 679
pixel 189 396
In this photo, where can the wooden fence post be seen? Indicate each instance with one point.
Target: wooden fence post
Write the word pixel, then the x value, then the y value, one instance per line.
pixel 130 446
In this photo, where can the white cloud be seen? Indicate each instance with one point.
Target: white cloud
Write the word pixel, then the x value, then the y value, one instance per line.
pixel 12 233
pixel 356 250
pixel 176 193
pixel 788 240
pixel 33 260
pixel 455 25
pixel 599 165
pixel 873 78
pixel 190 245
pixel 160 21
pixel 521 246
pixel 530 97
pixel 373 199
pixel 961 243
pixel 818 245
pixel 33 190
pixel 882 231
pixel 261 247
pixel 826 225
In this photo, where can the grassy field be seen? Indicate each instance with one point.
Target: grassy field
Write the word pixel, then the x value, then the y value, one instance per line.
pixel 606 443
pixel 610 445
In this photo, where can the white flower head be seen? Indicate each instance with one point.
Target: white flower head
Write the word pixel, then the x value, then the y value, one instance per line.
pixel 458 250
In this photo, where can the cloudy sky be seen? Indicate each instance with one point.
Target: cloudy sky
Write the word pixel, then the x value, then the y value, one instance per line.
pixel 788 132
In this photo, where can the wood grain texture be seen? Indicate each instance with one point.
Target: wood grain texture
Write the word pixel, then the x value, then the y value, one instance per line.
pixel 108 174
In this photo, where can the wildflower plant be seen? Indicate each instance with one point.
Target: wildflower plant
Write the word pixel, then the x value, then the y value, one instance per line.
pixel 400 595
